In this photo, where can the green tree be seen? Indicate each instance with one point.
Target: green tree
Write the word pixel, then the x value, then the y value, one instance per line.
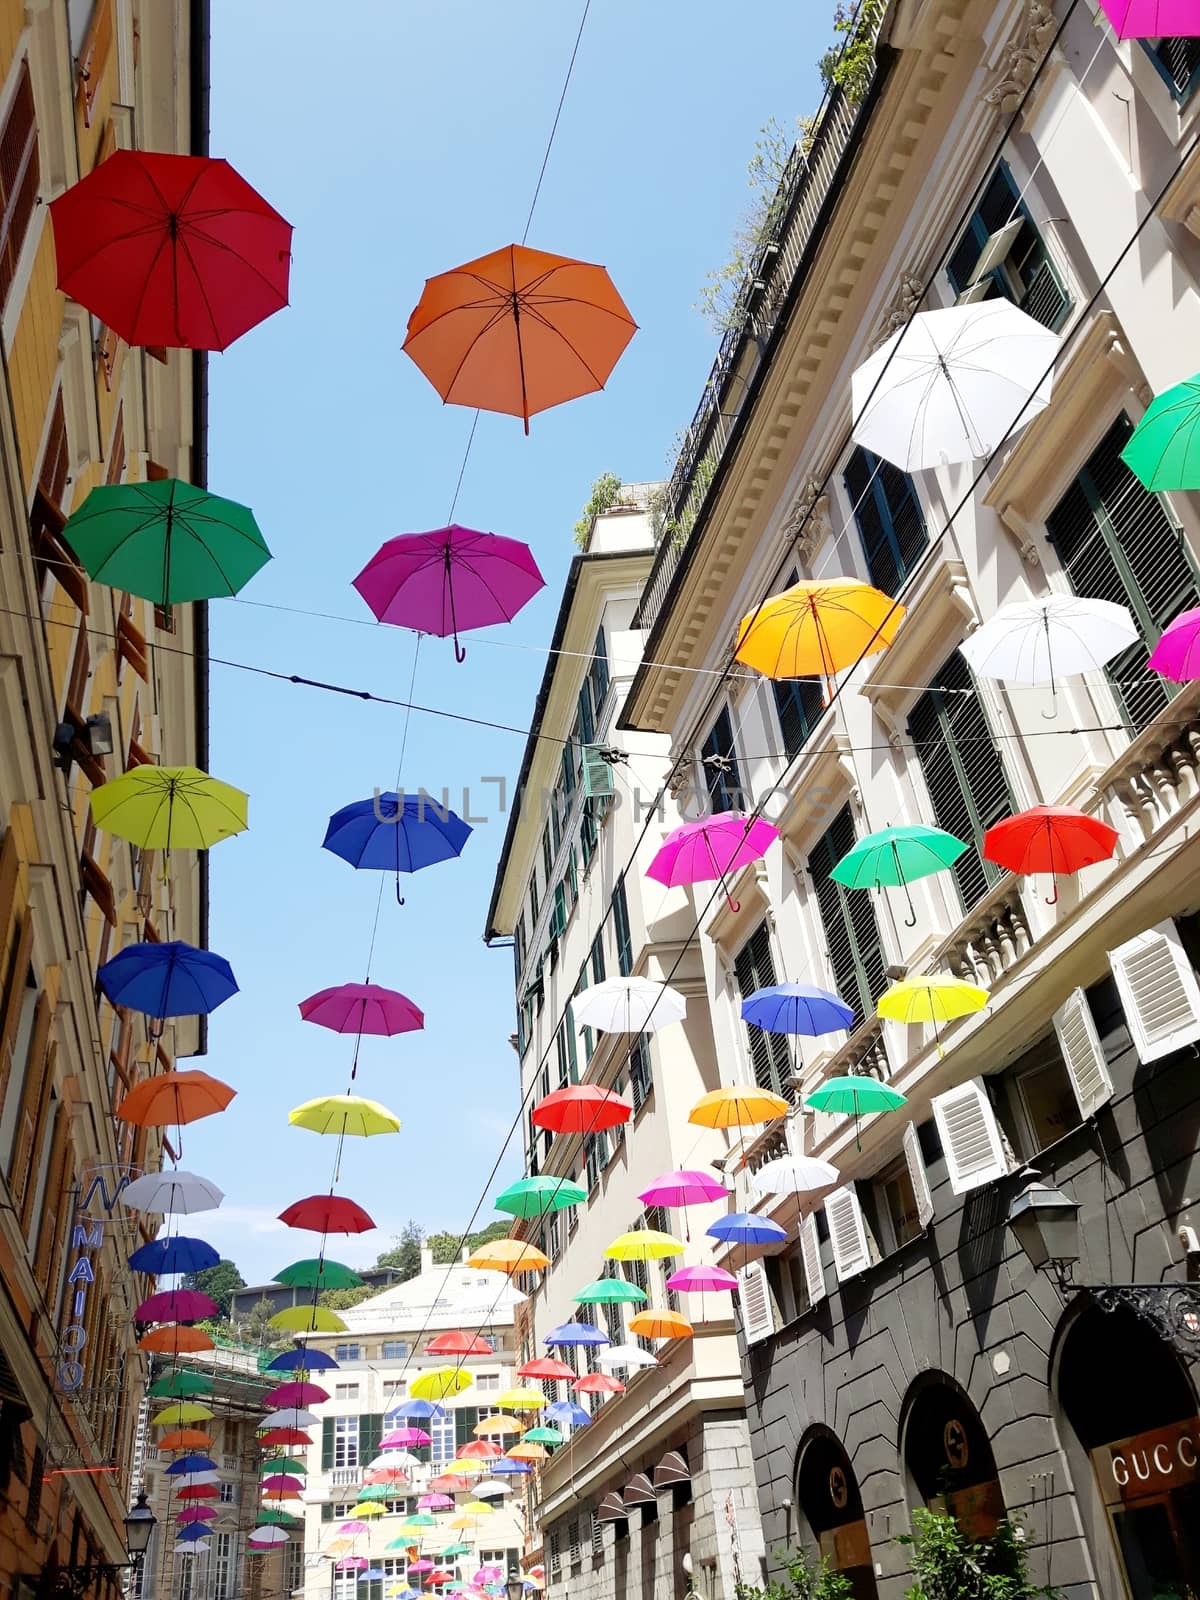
pixel 254 1328
pixel 405 1253
pixel 343 1299
pixel 218 1283
pixel 949 1565
pixel 447 1247
pixel 805 1579
pixel 606 493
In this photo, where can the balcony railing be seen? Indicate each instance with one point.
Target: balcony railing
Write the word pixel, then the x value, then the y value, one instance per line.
pixel 1159 772
pixel 992 937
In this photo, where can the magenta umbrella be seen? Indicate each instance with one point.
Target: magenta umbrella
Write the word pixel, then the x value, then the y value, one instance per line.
pixel 695 1280
pixel 281 1483
pixel 362 1008
pixel 1177 653
pixel 706 850
pixel 1153 19
pixel 435 1502
pixel 197 1514
pixel 403 1438
pixel 420 1566
pixel 449 580
pixel 286 1395
pixel 676 1189
pixel 176 1305
pixel 351 1564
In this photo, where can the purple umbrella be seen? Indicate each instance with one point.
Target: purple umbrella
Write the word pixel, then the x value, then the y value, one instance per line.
pixel 176 1305
pixel 706 850
pixel 362 1008
pixel 449 580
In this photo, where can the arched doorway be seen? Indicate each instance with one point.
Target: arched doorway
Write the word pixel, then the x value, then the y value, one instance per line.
pixel 828 1499
pixel 1132 1410
pixel 948 1457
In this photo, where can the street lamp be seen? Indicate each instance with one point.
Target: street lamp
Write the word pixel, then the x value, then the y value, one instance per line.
pixel 139 1525
pixel 1046 1224
pixel 514 1586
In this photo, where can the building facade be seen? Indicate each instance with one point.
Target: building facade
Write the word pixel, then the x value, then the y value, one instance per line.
pixel 572 896
pixel 904 1348
pixel 85 692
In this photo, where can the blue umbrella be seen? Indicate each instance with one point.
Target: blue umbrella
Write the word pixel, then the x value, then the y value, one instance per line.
pixel 564 1411
pixel 191 1464
pixel 575 1333
pixel 506 1467
pixel 745 1227
pixel 194 1530
pixel 309 1360
pixel 167 980
pixel 372 1575
pixel 163 1257
pixel 797 1008
pixel 419 1410
pixel 396 833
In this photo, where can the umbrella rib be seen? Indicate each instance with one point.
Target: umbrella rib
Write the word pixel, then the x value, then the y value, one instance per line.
pixel 546 323
pixel 212 318
pixel 493 322
pixel 220 244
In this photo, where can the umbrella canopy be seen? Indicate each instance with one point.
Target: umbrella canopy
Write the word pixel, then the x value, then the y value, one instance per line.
pixel 566 1412
pixel 435 1502
pixel 344 1114
pixel 791 1175
pixel 268 1535
pixel 817 628
pixel 174 250
pixel 746 1228
pixel 855 1097
pixel 184 1466
pixel 307 1319
pixel 701 1280
pixel 527 1452
pixel 282 1464
pixel 677 1189
pixel 289 1417
pixel 581 1108
pixel 525 1399
pixel 171 1193
pixel 463 1467
pixel 175 1340
pixel 499 1426
pixel 546 1366
pixel 191 1536
pixel 402 1438
pixel 302 1359
pixel 513 1256
pixel 164 1258
pixel 362 1008
pixel 1177 653
pixel 710 848
pixel 518 331
pixel 458 1343
pixel 280 1482
pixel 737 1105
pixel 176 1305
pixel 894 857
pixel 572 1333
pixel 1049 839
pixel 169 808
pixel 287 1437
pixel 196 1478
pixel 174 1098
pixel 478 1450
pixel 511 1468
pixel 352 1564
pixel 423 1410
pixel 797 1008
pixel 629 1005
pixel 181 1383
pixel 440 1383
pixel 590 1383
pixel 318 1273
pixel 643 1244
pixel 367 1508
pixel 490 1489
pixel 605 1292
pixel 196 1514
pixel 395 833
pixel 953 384
pixel 626 1355
pixel 1057 636
pixel 167 541
pixel 933 999
pixel 1153 19
pixel 449 580
pixel 1163 452
pixel 167 980
pixel 187 1438
pixel 534 1197
pixel 327 1213
pixel 656 1323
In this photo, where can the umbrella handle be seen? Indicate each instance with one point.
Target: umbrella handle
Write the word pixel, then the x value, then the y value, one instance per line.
pixel 399 896
pixel 1052 900
pixel 460 654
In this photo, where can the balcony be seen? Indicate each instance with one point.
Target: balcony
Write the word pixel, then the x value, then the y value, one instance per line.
pixel 1158 774
pixel 993 937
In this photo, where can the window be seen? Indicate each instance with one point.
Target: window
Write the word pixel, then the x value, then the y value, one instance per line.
pixel 345 1391
pixel 293 1564
pixel 597 958
pixel 595 1149
pixel 897 1205
pixel 228 1493
pixel 1002 238
pixel 963 771
pixel 890 522
pixel 555 1554
pixel 598 676
pixel 1116 542
pixel 485 1381
pixel 848 920
pixel 718 761
pixel 393 1350
pixel 770 1057
pixel 345 1441
pixel 588 836
pixel 19 177
pixel 347 1352
pixel 1178 60
pixel 441 1431
pixel 223 1572
pixel 620 911
pixel 640 1079
pixel 1048 1105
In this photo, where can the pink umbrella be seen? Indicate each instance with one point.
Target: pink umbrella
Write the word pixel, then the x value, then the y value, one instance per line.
pixel 695 1280
pixel 281 1483
pixel 351 1564
pixel 1177 653
pixel 353 1526
pixel 176 1305
pixel 402 1438
pixel 677 1189
pixel 197 1514
pixel 1153 19
pixel 487 1575
pixel 295 1394
pixel 435 1502
pixel 420 1566
pixel 449 580
pixel 362 1008
pixel 706 850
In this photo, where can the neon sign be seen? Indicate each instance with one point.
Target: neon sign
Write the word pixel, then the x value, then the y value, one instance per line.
pixel 86 1237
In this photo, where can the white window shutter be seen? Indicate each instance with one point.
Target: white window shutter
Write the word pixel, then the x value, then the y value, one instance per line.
pixel 847 1233
pixel 810 1254
pixel 971 1139
pixel 917 1175
pixel 758 1314
pixel 1158 990
pixel 1083 1053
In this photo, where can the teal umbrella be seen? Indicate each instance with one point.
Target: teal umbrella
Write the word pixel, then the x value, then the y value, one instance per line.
pixel 534 1197
pixel 894 857
pixel 1163 451
pixel 855 1097
pixel 609 1292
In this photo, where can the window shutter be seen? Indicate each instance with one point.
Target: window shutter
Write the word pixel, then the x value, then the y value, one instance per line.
pixel 847 1233
pixel 810 1255
pixel 917 1175
pixel 719 765
pixel 597 773
pixel 848 920
pixel 1082 1053
pixel 465 1418
pixel 971 1139
pixel 19 177
pixel 799 704
pixel 770 1057
pixel 370 1431
pixel 758 1314
pixel 327 1444
pixel 890 521
pixel 1158 991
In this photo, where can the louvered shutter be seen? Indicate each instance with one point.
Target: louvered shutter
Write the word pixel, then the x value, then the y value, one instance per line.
pixel 848 919
pixel 770 1057
pixel 847 1233
pixel 810 1256
pixel 1158 990
pixel 799 704
pixel 971 1139
pixel 1082 1053
pixel 917 1175
pixel 718 760
pixel 1179 60
pixel 370 1431
pixel 326 1444
pixel 889 517
pixel 758 1313
pixel 465 1418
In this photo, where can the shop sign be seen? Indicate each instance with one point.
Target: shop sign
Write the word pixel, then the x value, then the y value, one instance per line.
pixel 99 1194
pixel 846 1548
pixel 1149 1463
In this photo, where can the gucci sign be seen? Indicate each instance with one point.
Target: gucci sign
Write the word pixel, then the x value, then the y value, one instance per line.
pixel 1149 1463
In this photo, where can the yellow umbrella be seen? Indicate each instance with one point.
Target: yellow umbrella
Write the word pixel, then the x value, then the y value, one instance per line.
pixel 336 1546
pixel 479 1508
pixel 169 808
pixel 528 1452
pixel 817 628
pixel 307 1319
pixel 933 999
pixel 654 1323
pixel 513 1256
pixel 486 1426
pixel 644 1244
pixel 180 1415
pixel 462 1522
pixel 368 1508
pixel 464 1466
pixel 521 1399
pixel 344 1113
pixel 440 1383
pixel 738 1105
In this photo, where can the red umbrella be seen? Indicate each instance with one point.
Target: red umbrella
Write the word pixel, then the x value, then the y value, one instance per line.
pixel 1049 839
pixel 459 1344
pixel 479 1450
pixel 199 1491
pixel 171 250
pixel 327 1213
pixel 288 1436
pixel 581 1108
pixel 598 1383
pixel 546 1367
pixel 446 1483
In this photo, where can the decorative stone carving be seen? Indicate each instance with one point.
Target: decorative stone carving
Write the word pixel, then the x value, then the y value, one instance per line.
pixel 901 307
pixel 1023 56
pixel 807 523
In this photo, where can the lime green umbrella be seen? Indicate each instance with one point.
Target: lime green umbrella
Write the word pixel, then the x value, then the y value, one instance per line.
pixel 168 541
pixel 281 1464
pixel 855 1097
pixel 169 808
pixel 318 1274
pixel 533 1197
pixel 1163 451
pixel 895 857
pixel 181 1383
pixel 543 1436
pixel 609 1292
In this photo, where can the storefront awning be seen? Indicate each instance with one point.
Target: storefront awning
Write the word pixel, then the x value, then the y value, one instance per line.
pixel 672 1469
pixel 639 1491
pixel 611 1509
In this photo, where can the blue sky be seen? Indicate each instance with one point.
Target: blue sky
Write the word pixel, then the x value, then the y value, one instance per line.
pixel 399 145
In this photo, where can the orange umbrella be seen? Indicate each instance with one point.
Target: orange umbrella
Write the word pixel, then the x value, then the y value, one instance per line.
pixel 518 331
pixel 173 1098
pixel 513 1256
pixel 528 1452
pixel 655 1323
pixel 175 1339
pixel 186 1439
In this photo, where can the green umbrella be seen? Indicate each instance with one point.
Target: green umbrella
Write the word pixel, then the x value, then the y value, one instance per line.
pixel 533 1197
pixel 181 1383
pixel 376 1491
pixel 895 857
pixel 542 1436
pixel 609 1292
pixel 281 1464
pixel 317 1274
pixel 166 541
pixel 1164 449
pixel 857 1096
pixel 272 1515
pixel 420 1519
pixel 453 1550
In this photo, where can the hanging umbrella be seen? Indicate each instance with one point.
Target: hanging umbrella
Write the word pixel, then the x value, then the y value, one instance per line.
pixel 655 1323
pixel 490 1489
pixel 518 331
pixel 367 1508
pixel 449 581
pixel 931 999
pixel 196 1514
pixel 362 1008
pixel 174 250
pixel 513 1256
pixel 188 1481
pixel 709 849
pixel 440 1383
pixel 701 1280
pixel 1177 653
pixel 175 1340
pixel 287 1437
pixel 574 1333
pixel 1051 839
pixel 280 1482
pixel 302 1359
pixel 183 1466
pixel 953 384
pixel 401 1438
pixel 1057 636
pixel 511 1468
pixel 1163 452
pixel 289 1417
pixel 626 1355
pixel 318 1273
pixel 192 1535
pixel 422 1410
pixel 352 1563
pixel 895 857
pixel 165 1258
pixel 267 1536
pixel 817 628
pixel 535 1197
pixel 327 1213
pixel 737 1105
pixel 629 1005
pixel 792 1175
pixel 395 833
pixel 581 1108
pixel 478 1450
pixel 1153 19
pixel 173 1098
pixel 549 1366
pixel 169 808
pixel 167 980
pixel 457 1343
pixel 176 1305
pixel 462 1467
pixel 354 1527
pixel 590 1383
pixel 607 1292
pixel 566 1412
pixel 181 1383
pixel 435 1502
pixel 171 1193
pixel 525 1399
pixel 307 1319
pixel 282 1464
pixel 746 1228
pixel 528 1452
pixel 856 1097
pixel 344 1114
pixel 499 1426
pixel 797 1008
pixel 643 1244
pixel 678 1189
pixel 187 1438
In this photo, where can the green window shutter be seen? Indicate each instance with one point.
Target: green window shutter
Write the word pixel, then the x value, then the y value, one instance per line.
pixel 848 919
pixel 1027 276
pixel 640 1080
pixel 962 768
pixel 587 717
pixel 327 1444
pixel 620 908
pixel 770 1057
pixel 599 672
pixel 718 760
pixel 465 1418
pixel 370 1431
pixel 558 920
pixel 890 521
pixel 547 854
pixel 598 781
pixel 327 1508
pixel 572 1046
pixel 598 958
pixel 799 705
pixel 1116 542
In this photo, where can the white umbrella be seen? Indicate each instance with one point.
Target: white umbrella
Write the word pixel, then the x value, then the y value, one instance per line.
pixel 268 1533
pixel 192 1547
pixel 394 1458
pixel 289 1417
pixel 629 1005
pixel 176 1192
pixel 953 384
pixel 1037 641
pixel 793 1175
pixel 626 1355
pixel 192 1480
pixel 491 1489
